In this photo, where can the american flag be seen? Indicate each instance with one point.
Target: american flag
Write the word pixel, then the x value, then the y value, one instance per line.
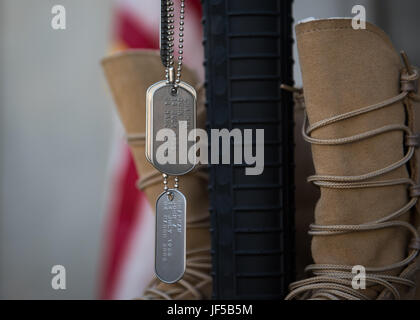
pixel 127 266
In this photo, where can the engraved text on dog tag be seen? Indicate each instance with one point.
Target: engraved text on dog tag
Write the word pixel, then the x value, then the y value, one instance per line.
pixel 165 109
pixel 170 236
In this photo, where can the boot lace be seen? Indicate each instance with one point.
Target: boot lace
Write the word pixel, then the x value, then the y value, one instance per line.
pixel 334 282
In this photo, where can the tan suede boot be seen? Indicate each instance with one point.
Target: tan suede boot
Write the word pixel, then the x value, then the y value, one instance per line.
pixel 360 102
pixel 129 74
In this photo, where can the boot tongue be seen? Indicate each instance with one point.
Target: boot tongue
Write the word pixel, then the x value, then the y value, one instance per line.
pixel 343 70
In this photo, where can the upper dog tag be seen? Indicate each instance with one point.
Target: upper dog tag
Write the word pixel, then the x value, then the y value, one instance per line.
pixel 165 110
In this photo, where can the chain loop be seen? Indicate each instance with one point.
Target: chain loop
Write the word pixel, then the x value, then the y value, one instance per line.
pixel 165 182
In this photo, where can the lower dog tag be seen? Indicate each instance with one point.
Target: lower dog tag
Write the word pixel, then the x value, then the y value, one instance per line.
pixel 171 210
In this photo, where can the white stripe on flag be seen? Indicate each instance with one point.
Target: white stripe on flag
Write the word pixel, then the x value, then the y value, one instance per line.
pixel 138 270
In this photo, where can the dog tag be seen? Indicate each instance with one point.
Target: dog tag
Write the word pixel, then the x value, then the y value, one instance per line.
pixel 165 109
pixel 171 209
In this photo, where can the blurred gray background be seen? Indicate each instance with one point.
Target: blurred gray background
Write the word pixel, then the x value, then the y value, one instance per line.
pixel 55 120
pixel 56 128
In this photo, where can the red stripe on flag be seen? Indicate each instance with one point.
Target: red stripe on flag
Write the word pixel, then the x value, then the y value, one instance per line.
pixel 196 6
pixel 124 217
pixel 130 31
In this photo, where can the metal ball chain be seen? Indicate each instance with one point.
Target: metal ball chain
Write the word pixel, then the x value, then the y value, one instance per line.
pixel 165 182
pixel 170 75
